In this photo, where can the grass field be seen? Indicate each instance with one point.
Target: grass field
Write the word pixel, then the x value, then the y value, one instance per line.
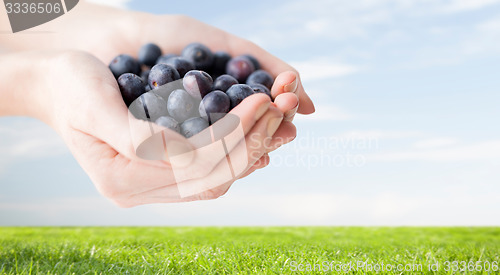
pixel 247 250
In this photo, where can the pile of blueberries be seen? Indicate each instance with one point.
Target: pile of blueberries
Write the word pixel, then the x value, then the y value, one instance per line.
pixel 198 100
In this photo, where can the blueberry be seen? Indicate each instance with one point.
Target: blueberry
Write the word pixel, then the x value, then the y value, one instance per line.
pixel 131 87
pixel 182 65
pixel 164 58
pixel 224 81
pixel 169 123
pixel 153 105
pixel 220 61
pixel 259 88
pixel 261 77
pixel 214 106
pixel 240 68
pixel 199 54
pixel 162 74
pixel 148 54
pixel 124 64
pixel 193 126
pixel 145 75
pixel 254 61
pixel 181 105
pixel 239 92
pixel 197 83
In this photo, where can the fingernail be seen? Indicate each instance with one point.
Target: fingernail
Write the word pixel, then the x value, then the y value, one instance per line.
pixel 290 114
pixel 273 125
pixel 262 110
pixel 291 87
pixel 179 154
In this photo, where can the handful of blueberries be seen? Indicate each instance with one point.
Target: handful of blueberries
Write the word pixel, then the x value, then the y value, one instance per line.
pixel 190 105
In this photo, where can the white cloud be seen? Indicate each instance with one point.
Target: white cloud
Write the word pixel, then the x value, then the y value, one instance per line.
pixel 322 69
pixel 383 208
pixel 114 3
pixel 380 134
pixel 68 204
pixel 435 143
pixel 492 25
pixel 466 5
pixel 376 28
pixel 29 139
pixel 488 150
pixel 327 112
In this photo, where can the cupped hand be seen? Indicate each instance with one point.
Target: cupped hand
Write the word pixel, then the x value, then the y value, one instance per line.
pixel 88 111
pixel 85 107
pixel 106 32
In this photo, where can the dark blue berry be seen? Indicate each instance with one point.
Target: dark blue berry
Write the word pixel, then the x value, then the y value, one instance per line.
pixel 239 92
pixel 131 87
pixel 259 88
pixel 148 54
pixel 199 54
pixel 254 61
pixel 240 68
pixel 261 77
pixel 162 74
pixel 193 126
pixel 181 105
pixel 224 81
pixel 124 64
pixel 214 106
pixel 182 65
pixel 197 83
pixel 164 58
pixel 220 61
pixel 169 123
pixel 145 75
pixel 154 106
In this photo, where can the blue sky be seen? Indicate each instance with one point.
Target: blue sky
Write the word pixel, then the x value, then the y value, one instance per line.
pixel 406 130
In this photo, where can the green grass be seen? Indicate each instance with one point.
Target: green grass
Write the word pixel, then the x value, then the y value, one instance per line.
pixel 246 250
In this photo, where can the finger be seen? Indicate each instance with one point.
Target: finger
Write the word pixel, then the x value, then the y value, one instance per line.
pixel 286 133
pixel 240 158
pixel 288 104
pixel 169 193
pixel 217 183
pixel 164 194
pixel 261 163
pixel 220 190
pixel 272 64
pixel 222 137
pixel 255 147
pixel 285 82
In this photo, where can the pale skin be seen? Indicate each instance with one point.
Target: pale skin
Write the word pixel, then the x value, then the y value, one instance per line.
pixel 62 79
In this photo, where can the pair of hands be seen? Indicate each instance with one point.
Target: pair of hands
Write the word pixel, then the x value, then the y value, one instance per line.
pixel 82 102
